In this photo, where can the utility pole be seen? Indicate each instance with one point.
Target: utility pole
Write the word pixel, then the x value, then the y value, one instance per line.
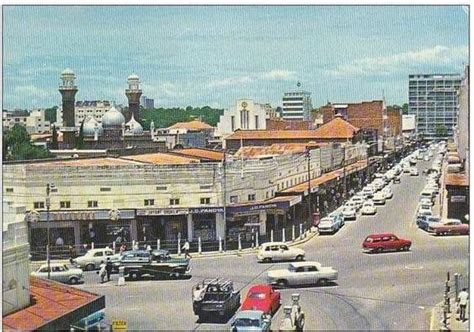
pixel 308 151
pixel 344 172
pixel 48 205
pixel 224 199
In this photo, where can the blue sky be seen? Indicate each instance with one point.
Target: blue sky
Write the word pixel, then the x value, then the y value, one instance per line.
pixel 213 55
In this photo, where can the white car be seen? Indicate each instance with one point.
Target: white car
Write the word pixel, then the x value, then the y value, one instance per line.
pixel 414 171
pixel 329 225
pixel 426 158
pixel 423 208
pixel 59 272
pixel 369 208
pixel 406 168
pixel 94 257
pixel 349 212
pixel 379 198
pixel 378 184
pixel 279 251
pixel 302 273
pixel 387 192
pixel 358 200
pixel 426 201
pixel 368 191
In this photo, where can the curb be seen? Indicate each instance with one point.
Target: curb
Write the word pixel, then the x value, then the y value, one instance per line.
pixel 309 235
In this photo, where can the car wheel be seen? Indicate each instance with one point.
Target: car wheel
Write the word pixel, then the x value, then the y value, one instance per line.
pixel 73 280
pixel 323 282
pixel 299 257
pixel 378 250
pixel 90 267
pixel 282 283
pixel 267 260
pixel 406 248
pixel 134 275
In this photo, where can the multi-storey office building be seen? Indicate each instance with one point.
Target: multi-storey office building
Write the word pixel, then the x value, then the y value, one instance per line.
pixel 297 105
pixel 86 109
pixel 34 121
pixel 433 99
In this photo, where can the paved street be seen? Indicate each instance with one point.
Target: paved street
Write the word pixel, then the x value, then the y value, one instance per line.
pixel 384 291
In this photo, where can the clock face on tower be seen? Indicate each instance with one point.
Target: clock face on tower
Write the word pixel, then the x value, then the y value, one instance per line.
pixel 244 104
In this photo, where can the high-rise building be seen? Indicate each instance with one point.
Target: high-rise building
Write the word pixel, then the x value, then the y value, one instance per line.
pixel 461 133
pixel 147 103
pixel 433 99
pixel 297 105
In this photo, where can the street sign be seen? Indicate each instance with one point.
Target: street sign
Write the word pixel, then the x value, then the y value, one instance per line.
pixel 119 325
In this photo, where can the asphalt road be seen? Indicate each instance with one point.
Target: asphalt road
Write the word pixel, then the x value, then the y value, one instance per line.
pixel 389 291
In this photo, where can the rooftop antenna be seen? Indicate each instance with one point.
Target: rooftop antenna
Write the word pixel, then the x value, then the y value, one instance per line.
pixel 298 84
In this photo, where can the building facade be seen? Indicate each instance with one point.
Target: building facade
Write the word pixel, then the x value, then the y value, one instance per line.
pixel 433 99
pixel 34 121
pixel 297 105
pixel 461 133
pixel 86 109
pixel 245 114
pixel 147 103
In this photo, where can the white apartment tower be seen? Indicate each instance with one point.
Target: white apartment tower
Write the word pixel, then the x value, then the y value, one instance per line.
pixel 297 105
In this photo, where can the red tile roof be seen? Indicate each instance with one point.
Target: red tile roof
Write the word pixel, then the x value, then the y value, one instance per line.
pixel 458 180
pixel 278 124
pixel 161 159
pixel 201 153
pixel 84 162
pixel 50 301
pixel 337 128
pixel 274 149
pixel 191 125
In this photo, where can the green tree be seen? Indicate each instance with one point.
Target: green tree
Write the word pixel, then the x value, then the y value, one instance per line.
pixel 405 109
pixel 54 139
pixel 441 131
pixel 17 145
pixel 50 114
pixel 80 139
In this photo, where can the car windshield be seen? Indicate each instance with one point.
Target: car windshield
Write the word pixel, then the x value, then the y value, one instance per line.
pixel 434 219
pixel 247 322
pixel 256 295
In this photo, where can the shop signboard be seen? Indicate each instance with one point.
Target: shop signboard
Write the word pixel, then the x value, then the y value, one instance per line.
pixel 458 199
pixel 85 215
pixel 203 210
pixel 161 212
pixel 119 325
pixel 257 207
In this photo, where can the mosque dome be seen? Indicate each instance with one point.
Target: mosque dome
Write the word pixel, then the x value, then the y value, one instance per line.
pixel 134 127
pixel 89 127
pixel 67 71
pixel 112 119
pixel 133 77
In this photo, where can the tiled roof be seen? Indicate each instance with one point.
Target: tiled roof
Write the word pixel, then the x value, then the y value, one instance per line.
pixel 272 134
pixel 192 125
pixel 85 162
pixel 201 153
pixel 274 149
pixel 459 180
pixel 49 301
pixel 277 124
pixel 337 128
pixel 161 159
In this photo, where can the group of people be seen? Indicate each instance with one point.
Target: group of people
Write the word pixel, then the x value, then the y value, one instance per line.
pixel 105 270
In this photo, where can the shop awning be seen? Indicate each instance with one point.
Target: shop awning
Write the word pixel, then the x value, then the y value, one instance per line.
pixel 281 202
pixel 54 306
pixel 302 188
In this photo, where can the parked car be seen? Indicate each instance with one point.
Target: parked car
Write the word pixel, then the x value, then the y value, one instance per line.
pixel 251 320
pixel 397 179
pixel 414 171
pixel 338 215
pixel 369 208
pixel 426 201
pixel 378 184
pixel 262 297
pixel 349 212
pixel 279 251
pixel 387 192
pixel 329 225
pixel 422 208
pixel 94 257
pixel 424 222
pixel 59 272
pixel 376 243
pixel 379 198
pixel 368 191
pixel 215 298
pixel 302 273
pixel 358 200
pixel 449 227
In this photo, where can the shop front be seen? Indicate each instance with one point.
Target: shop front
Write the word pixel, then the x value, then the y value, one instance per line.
pixel 203 223
pixel 163 224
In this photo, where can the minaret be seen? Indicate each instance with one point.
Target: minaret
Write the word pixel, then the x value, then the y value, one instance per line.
pixel 68 91
pixel 133 94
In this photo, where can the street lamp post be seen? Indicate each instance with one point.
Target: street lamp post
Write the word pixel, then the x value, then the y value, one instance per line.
pixel 224 202
pixel 308 151
pixel 48 205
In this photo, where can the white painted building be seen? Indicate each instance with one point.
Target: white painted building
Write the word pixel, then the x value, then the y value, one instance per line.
pixel 15 263
pixel 86 109
pixel 34 121
pixel 297 105
pixel 245 114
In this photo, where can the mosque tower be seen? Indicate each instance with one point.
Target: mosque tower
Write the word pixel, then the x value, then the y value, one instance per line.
pixel 133 94
pixel 68 91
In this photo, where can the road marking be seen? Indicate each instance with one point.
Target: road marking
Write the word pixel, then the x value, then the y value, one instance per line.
pixel 413 267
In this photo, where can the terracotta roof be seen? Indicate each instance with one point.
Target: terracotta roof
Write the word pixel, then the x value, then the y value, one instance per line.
pixel 49 301
pixel 161 159
pixel 192 125
pixel 85 162
pixel 459 180
pixel 337 128
pixel 274 149
pixel 272 134
pixel 201 153
pixel 279 124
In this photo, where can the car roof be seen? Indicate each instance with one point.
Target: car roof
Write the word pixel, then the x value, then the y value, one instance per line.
pixel 377 235
pixel 98 249
pixel 52 265
pixel 135 252
pixel 305 263
pixel 252 314
pixel 260 288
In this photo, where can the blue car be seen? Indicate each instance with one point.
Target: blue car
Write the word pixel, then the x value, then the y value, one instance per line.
pixel 251 320
pixel 424 222
pixel 338 216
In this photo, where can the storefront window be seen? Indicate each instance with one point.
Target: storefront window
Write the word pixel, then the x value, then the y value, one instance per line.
pixel 204 226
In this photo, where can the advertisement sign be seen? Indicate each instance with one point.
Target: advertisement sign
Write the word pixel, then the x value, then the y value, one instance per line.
pixel 119 325
pixel 458 199
pixel 161 212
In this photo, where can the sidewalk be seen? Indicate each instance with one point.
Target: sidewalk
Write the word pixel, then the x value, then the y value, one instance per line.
pixel 308 235
pixel 436 320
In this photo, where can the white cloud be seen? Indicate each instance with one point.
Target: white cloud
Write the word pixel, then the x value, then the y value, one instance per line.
pixel 230 81
pixel 278 74
pixel 385 65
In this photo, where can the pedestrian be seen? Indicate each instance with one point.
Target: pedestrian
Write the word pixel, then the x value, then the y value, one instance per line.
pixel 72 254
pixel 59 241
pixel 148 248
pixel 108 268
pixel 186 250
pixel 463 299
pixel 122 249
pixel 102 271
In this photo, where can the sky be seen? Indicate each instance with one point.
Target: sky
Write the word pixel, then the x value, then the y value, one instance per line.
pixel 214 55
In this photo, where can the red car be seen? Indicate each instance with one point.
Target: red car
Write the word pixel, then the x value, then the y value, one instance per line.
pixel 385 242
pixel 262 297
pixel 451 226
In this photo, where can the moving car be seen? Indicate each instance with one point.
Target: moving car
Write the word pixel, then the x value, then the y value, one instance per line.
pixel 369 208
pixel 262 297
pixel 349 212
pixel 414 171
pixel 94 257
pixel 449 227
pixel 379 198
pixel 302 273
pixel 251 320
pixel 424 222
pixel 215 298
pixel 422 208
pixel 279 251
pixel 387 192
pixel 376 243
pixel 337 214
pixel 329 225
pixel 368 191
pixel 59 272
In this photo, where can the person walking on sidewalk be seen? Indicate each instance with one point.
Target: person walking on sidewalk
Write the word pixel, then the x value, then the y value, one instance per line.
pixel 108 268
pixel 72 254
pixel 463 298
pixel 102 272
pixel 186 250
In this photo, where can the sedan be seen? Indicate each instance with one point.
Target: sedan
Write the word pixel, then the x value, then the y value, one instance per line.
pixel 302 273
pixel 262 297
pixel 379 198
pixel 414 171
pixel 387 192
pixel 59 272
pixel 369 208
pixel 451 226
pixel 424 222
pixel 251 320
pixel 329 225
pixel 349 212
